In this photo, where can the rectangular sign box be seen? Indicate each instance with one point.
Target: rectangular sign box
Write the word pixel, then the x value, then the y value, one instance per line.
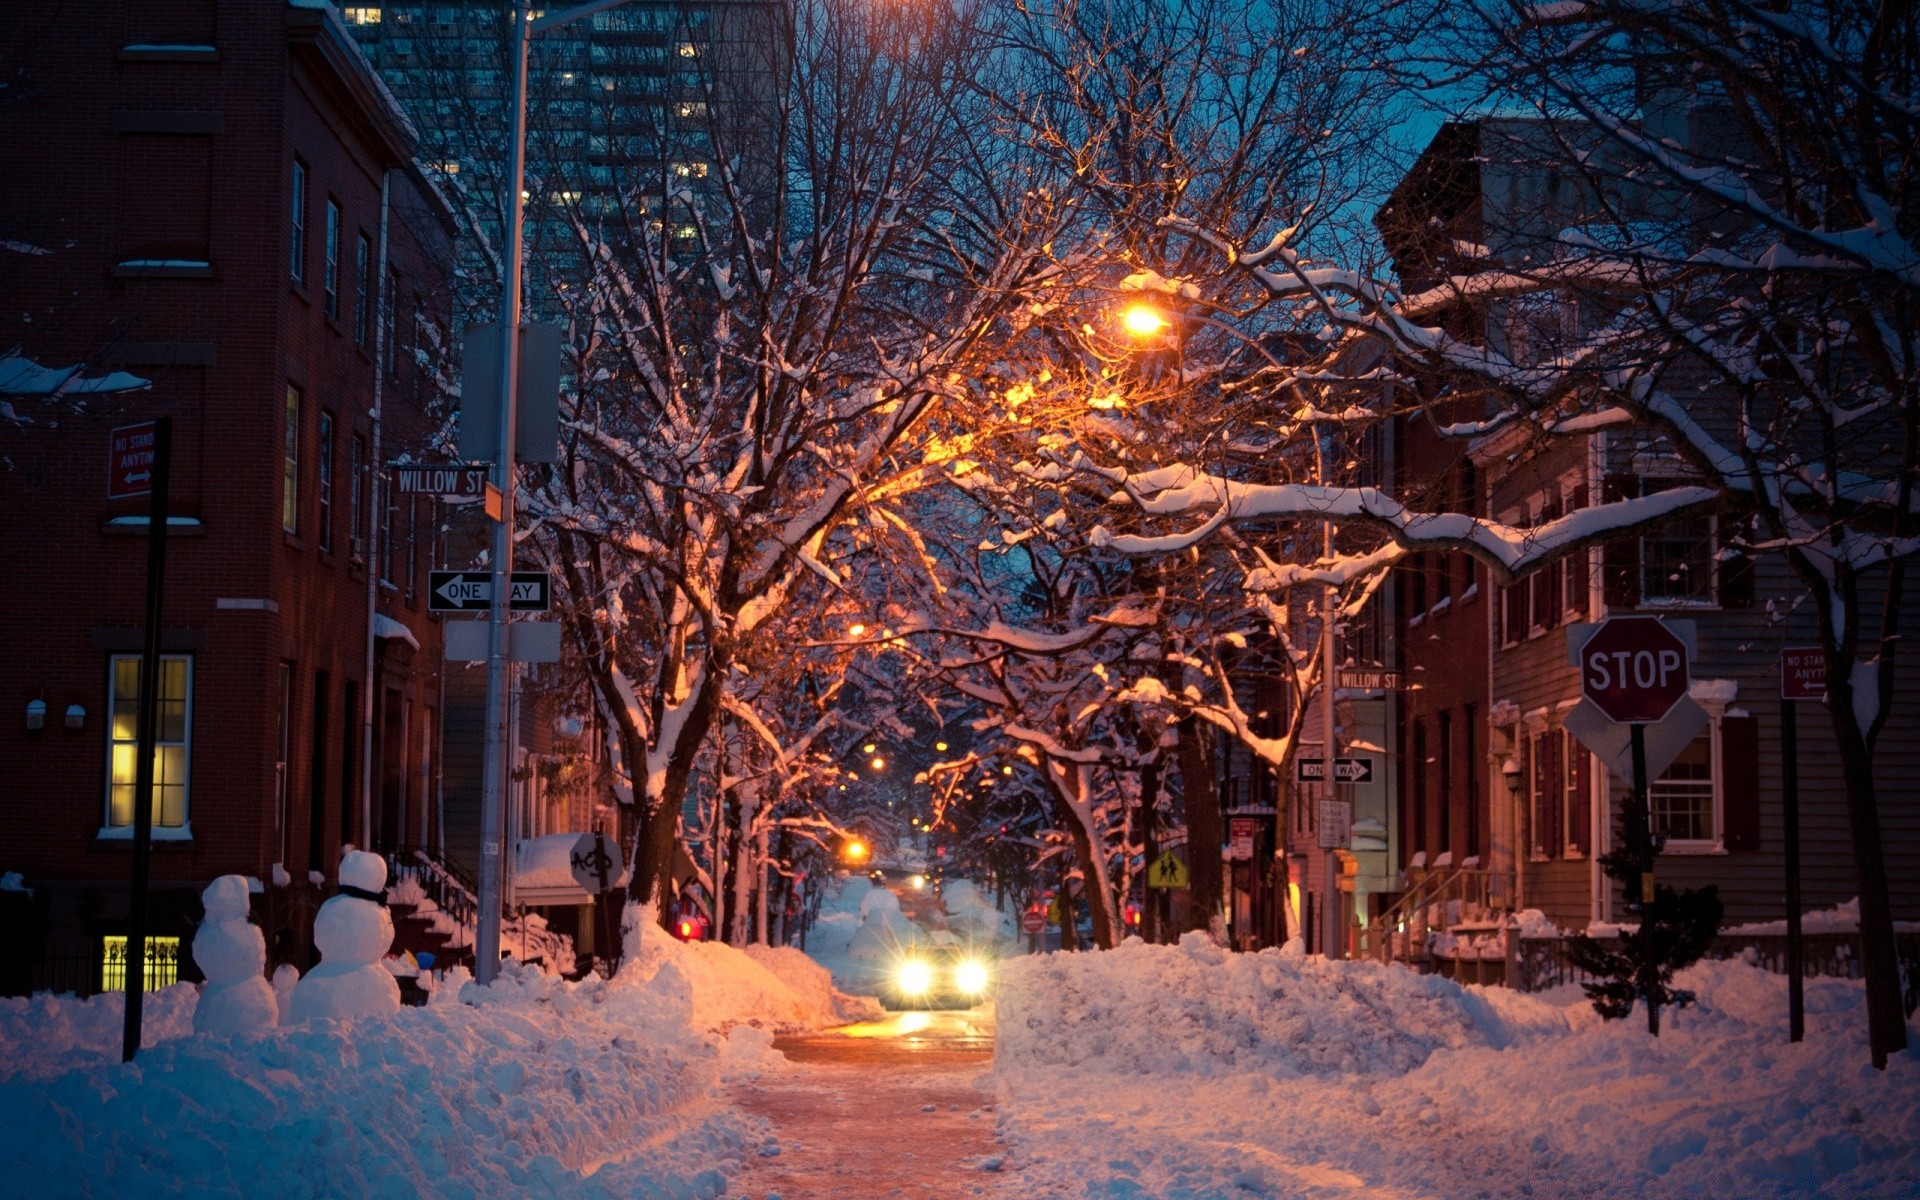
pixel 472 591
pixel 1803 673
pixel 130 450
pixel 1345 770
pixel 463 481
pixel 1364 680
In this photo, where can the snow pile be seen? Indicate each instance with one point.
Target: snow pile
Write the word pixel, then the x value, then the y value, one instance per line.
pixel 44 1035
pixel 813 983
pixel 535 1086
pixel 1194 1009
pixel 884 930
pixel 731 987
pixel 1186 1072
pixel 1841 918
pixel 971 915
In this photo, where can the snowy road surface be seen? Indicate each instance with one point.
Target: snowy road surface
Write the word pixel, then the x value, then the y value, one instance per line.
pixel 888 1108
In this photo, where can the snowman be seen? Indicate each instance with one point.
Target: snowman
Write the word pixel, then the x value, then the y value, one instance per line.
pixel 233 956
pixel 352 932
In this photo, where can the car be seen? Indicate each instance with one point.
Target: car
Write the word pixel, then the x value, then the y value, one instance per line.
pixel 939 973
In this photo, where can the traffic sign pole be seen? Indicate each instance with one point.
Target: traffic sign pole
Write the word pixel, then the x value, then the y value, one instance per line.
pixel 1641 831
pixel 146 733
pixel 1790 812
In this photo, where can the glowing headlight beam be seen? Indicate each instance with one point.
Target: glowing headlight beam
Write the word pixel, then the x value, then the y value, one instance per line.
pixel 915 977
pixel 970 976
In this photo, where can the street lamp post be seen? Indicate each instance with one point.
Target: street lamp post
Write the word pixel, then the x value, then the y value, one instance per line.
pixel 498 738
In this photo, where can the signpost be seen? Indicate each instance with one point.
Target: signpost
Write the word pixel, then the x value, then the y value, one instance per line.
pixel 131 460
pixel 1803 676
pixel 590 863
pixel 1168 871
pixel 144 450
pixel 1365 680
pixel 1345 770
pixel 1634 670
pixel 472 591
pixel 1240 835
pixel 449 481
pixel 1336 824
pixel 1033 921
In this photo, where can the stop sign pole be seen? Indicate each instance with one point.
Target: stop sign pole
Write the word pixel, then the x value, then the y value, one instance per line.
pixel 1634 670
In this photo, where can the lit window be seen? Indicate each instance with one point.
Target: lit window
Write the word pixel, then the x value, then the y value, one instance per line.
pixel 451 166
pixel 360 15
pixel 161 960
pixel 690 170
pixel 691 108
pixel 290 463
pixel 171 734
pixel 1682 798
pixel 688 50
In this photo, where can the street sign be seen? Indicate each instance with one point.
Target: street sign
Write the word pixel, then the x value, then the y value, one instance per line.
pixel 453 481
pixel 472 591
pixel 1034 920
pixel 1345 770
pixel 130 461
pixel 1612 744
pixel 527 641
pixel 1240 834
pixel 1336 824
pixel 1633 669
pixel 591 863
pixel 1803 673
pixel 1372 681
pixel 1168 872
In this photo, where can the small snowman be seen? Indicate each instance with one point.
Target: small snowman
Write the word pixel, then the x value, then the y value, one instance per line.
pixel 233 955
pixel 352 932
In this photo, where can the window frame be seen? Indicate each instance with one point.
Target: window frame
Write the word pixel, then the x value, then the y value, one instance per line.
pixel 183 832
pixel 298 220
pixel 290 418
pixel 1715 842
pixel 357 499
pixel 323 470
pixel 363 286
pixel 330 275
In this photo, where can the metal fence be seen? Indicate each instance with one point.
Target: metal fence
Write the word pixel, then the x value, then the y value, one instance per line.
pixel 1535 964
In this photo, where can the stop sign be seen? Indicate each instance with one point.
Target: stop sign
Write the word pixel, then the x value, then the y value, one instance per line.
pixel 1633 669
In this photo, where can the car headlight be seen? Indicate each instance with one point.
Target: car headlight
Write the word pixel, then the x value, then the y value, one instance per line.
pixel 970 976
pixel 915 977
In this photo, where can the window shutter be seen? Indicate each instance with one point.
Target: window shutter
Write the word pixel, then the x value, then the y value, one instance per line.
pixel 1556 798
pixel 1735 569
pixel 1580 806
pixel 1547 583
pixel 1740 783
pixel 1620 562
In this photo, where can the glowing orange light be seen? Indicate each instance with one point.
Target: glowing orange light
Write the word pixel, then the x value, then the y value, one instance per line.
pixel 1143 320
pixel 856 630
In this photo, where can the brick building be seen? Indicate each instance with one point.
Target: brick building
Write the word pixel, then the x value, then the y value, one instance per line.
pixel 219 197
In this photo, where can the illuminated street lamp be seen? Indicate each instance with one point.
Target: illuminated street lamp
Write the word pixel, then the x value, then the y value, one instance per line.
pixel 854 851
pixel 879 764
pixel 1143 320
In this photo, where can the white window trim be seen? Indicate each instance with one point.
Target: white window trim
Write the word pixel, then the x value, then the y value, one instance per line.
pixel 1717 844
pixel 109 832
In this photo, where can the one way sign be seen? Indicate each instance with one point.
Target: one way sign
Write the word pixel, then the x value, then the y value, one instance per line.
pixel 470 591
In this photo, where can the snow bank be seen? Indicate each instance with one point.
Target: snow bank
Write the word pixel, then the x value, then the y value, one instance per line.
pixel 1194 1009
pixel 1187 1072
pixel 42 1036
pixel 775 989
pixel 534 1086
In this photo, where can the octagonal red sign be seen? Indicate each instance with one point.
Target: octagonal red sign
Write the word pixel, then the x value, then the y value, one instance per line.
pixel 1633 669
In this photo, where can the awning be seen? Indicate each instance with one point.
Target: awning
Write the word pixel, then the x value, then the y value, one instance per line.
pixel 386 627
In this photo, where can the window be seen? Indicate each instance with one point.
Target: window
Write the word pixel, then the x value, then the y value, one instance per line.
pixel 298 264
pixel 413 543
pixel 324 464
pixel 387 513
pixel 1469 759
pixel 361 15
pixel 331 282
pixel 1547 586
pixel 1676 560
pixel 1579 797
pixel 390 323
pixel 1575 570
pixel 161 963
pixel 283 745
pixel 1516 616
pixel 1548 788
pixel 1446 781
pixel 362 291
pixel 1682 798
pixel 290 463
pixel 172 732
pixel 357 500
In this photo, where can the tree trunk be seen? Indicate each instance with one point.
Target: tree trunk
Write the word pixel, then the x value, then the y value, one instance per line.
pixel 1886 1022
pixel 1202 804
pixel 1098 902
pixel 1149 849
